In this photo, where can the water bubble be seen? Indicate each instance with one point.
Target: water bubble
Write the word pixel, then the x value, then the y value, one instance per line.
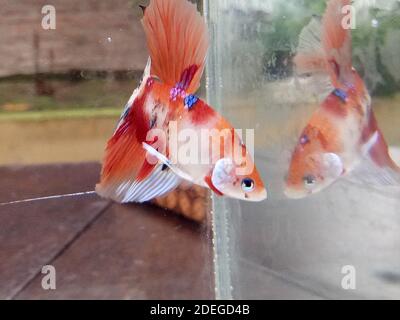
pixel 374 23
pixel 109 39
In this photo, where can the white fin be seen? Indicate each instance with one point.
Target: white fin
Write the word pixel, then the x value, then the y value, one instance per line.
pixel 146 75
pixel 157 184
pixel 310 42
pixel 367 172
pixel 394 153
pixel 222 173
pixel 370 173
pixel 366 148
pixel 310 60
pixel 164 160
pixel 332 164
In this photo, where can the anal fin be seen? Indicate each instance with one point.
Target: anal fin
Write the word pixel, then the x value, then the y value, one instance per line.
pixel 158 183
pixel 377 167
pixel 166 162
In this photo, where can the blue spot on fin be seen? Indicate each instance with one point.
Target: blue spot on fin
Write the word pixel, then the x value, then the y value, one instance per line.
pixel 342 95
pixel 190 101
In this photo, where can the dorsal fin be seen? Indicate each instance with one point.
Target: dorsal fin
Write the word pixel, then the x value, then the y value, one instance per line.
pixel 177 39
pixel 310 57
pixel 310 60
pixel 324 49
pixel 336 40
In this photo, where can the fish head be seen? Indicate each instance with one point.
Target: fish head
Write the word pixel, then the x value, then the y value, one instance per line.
pixel 312 167
pixel 237 182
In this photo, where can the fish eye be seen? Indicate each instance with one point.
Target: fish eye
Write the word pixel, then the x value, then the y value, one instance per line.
pixel 247 185
pixel 309 180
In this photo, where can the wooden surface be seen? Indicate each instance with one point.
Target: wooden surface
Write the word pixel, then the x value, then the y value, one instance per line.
pixel 99 249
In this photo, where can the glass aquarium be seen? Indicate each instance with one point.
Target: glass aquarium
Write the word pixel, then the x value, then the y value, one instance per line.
pixel 68 69
pixel 343 242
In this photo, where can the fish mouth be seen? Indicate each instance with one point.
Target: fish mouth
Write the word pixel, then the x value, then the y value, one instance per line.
pixel 296 193
pixel 263 195
pixel 252 196
pixel 260 196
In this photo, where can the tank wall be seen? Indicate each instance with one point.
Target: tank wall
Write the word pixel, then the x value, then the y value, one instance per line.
pixel 283 248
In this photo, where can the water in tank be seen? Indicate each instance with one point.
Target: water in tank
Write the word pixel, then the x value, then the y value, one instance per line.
pixel 343 241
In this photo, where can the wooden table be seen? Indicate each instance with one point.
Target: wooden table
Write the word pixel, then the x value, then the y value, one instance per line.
pixel 99 249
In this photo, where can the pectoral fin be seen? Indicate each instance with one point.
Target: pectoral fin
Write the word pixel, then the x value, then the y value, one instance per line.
pixel 210 184
pixel 166 162
pixel 333 165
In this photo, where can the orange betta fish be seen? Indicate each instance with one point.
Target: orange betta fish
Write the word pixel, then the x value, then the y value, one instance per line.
pixel 342 135
pixel 140 163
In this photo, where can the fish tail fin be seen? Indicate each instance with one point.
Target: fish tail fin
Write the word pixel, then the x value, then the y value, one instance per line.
pixel 177 40
pixel 119 166
pixel 381 155
pixel 127 175
pixel 125 160
pixel 378 167
pixel 125 166
pixel 135 94
pixel 324 48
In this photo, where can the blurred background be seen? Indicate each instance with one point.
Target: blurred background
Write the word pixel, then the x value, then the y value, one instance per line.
pixel 62 90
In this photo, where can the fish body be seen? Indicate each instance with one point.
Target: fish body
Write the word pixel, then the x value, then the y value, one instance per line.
pixel 219 159
pixel 138 164
pixel 342 135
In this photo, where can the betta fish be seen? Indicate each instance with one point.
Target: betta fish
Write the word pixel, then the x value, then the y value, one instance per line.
pixel 342 136
pixel 136 167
